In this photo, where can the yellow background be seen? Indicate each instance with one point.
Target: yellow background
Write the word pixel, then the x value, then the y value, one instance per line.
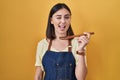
pixel 23 24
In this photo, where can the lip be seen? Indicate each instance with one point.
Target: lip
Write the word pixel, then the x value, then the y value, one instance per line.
pixel 62 27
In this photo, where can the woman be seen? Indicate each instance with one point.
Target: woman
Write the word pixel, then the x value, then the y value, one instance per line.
pixel 57 59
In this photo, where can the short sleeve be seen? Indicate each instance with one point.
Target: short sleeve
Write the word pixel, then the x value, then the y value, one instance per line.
pixel 74 49
pixel 41 49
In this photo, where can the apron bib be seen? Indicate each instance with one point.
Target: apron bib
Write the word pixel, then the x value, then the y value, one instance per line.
pixel 59 65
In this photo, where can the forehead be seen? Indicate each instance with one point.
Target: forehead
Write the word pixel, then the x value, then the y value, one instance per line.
pixel 62 11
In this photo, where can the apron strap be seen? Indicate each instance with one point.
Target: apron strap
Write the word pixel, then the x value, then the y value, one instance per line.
pixel 69 45
pixel 49 46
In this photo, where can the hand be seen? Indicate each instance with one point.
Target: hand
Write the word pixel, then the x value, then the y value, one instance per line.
pixel 83 41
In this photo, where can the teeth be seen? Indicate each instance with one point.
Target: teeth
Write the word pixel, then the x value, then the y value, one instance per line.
pixel 62 26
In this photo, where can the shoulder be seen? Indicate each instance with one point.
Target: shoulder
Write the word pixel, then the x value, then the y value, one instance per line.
pixel 42 47
pixel 43 42
pixel 74 42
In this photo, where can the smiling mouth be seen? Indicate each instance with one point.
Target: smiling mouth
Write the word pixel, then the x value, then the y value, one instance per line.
pixel 62 27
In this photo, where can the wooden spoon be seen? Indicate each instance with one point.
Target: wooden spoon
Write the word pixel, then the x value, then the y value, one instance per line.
pixel 70 37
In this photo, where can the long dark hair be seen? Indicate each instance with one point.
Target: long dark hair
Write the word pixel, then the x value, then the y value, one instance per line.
pixel 50 31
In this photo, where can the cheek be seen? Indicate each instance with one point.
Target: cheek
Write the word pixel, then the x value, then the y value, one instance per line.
pixel 68 27
pixel 55 22
pixel 68 22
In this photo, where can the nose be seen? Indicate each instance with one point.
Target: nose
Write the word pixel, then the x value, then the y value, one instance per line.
pixel 63 20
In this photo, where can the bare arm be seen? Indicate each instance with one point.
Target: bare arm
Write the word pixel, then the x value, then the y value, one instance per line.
pixel 81 69
pixel 38 74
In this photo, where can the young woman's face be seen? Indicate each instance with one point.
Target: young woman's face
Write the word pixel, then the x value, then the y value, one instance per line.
pixel 61 21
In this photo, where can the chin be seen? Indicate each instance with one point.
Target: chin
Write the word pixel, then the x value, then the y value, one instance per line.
pixel 62 32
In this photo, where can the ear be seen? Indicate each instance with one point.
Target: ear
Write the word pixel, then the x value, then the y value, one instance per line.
pixel 51 20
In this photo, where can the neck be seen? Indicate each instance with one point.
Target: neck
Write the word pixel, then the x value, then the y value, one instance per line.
pixel 60 35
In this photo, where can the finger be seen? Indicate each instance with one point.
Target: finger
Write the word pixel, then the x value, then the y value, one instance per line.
pixel 87 34
pixel 83 39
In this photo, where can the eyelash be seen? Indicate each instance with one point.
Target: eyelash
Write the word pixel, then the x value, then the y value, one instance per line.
pixel 67 17
pixel 64 17
pixel 58 17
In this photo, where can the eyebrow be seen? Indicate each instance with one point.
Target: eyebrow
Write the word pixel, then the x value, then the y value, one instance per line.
pixel 64 15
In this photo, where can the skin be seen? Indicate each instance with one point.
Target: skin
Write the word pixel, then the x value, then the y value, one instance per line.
pixel 61 21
